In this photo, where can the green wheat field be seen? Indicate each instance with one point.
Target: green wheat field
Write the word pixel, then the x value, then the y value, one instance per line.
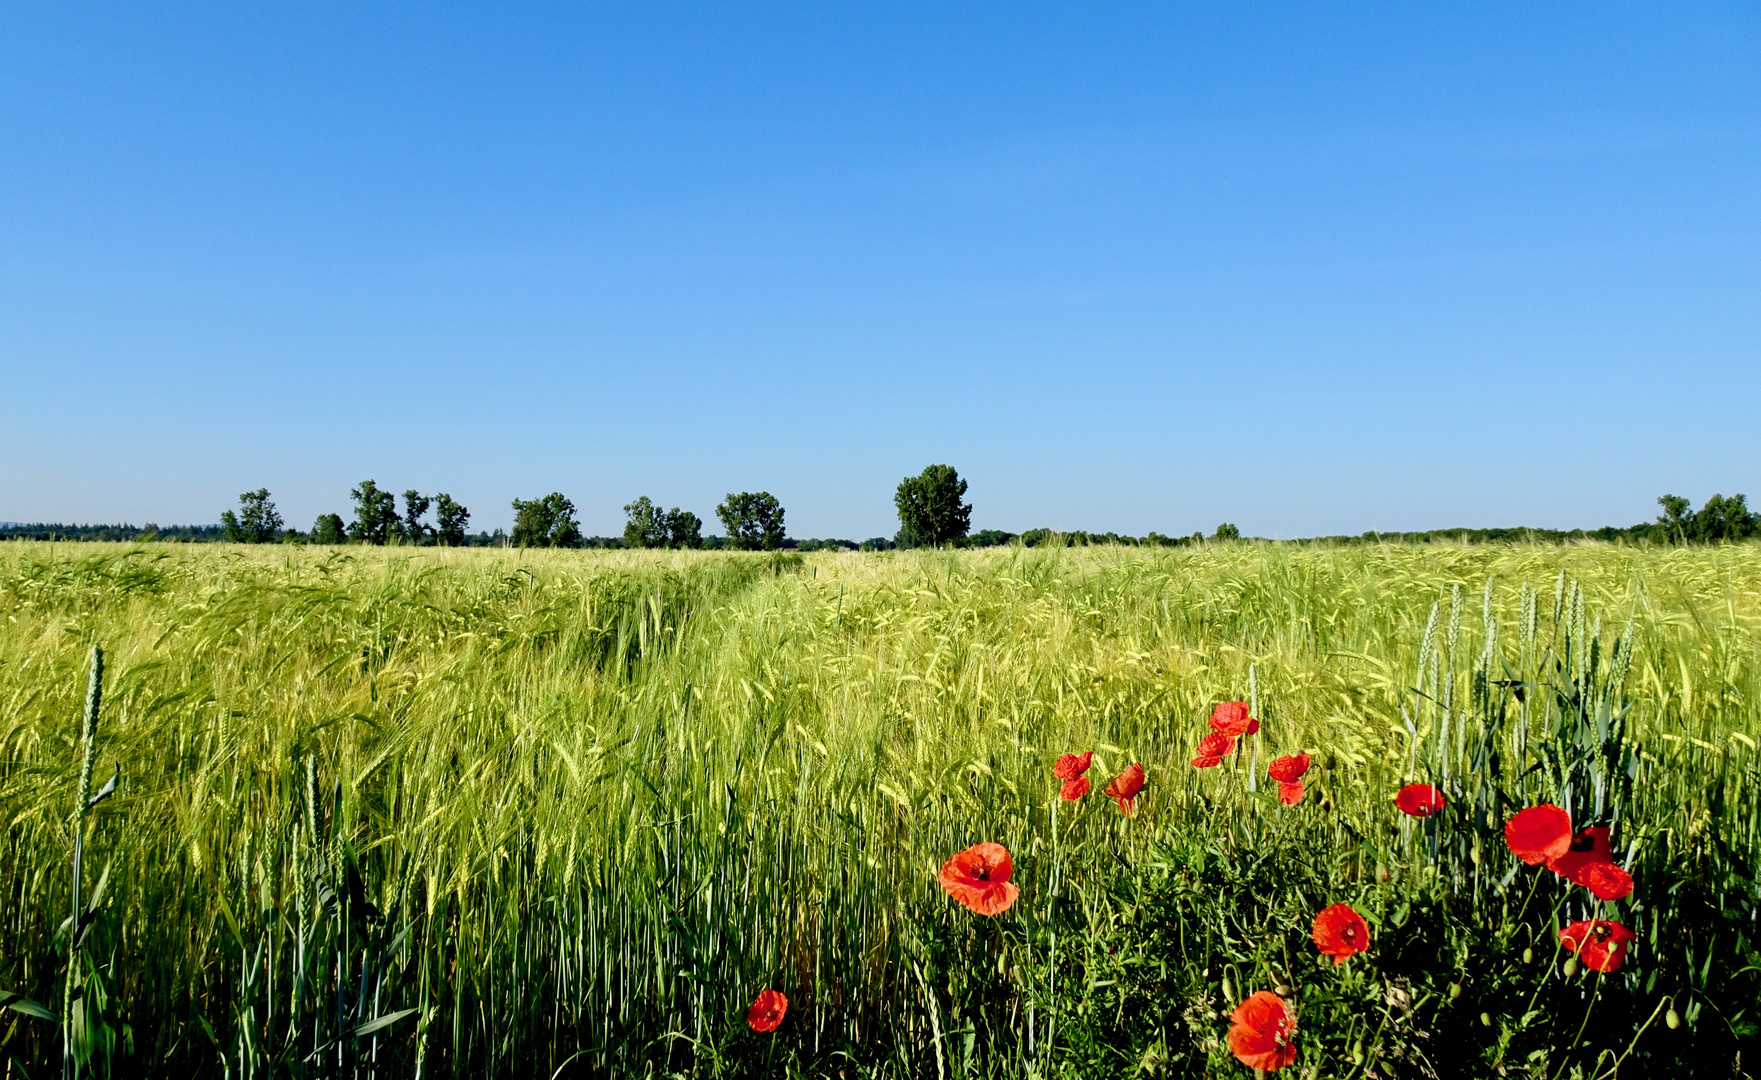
pixel 420 812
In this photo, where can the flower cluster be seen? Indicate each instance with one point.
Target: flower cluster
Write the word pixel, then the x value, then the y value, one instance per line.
pixel 1229 721
pixel 1543 835
pixel 1262 1032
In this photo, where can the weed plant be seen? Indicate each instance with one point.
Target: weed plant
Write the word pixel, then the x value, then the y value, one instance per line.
pixel 501 813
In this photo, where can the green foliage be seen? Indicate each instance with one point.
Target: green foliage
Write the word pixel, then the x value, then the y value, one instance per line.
pixel 546 522
pixel 530 813
pixel 1721 519
pixel 414 530
pixel 753 521
pixel 1226 531
pixel 328 529
pixel 684 530
pixel 451 520
pixel 256 522
pixel 376 517
pixel 647 524
pixel 930 511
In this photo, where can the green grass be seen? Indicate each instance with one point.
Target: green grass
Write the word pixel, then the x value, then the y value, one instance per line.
pixel 569 812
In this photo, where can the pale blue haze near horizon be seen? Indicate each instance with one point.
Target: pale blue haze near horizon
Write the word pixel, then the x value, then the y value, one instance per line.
pixel 1306 268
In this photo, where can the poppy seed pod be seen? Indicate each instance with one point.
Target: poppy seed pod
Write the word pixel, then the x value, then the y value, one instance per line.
pixel 1528 956
pixel 1672 1019
pixel 1571 966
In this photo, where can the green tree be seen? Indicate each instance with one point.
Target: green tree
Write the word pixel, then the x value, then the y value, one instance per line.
pixel 376 519
pixel 647 525
pixel 450 520
pixel 1719 519
pixel 753 520
pixel 1677 519
pixel 1726 519
pixel 684 529
pixel 930 510
pixel 328 529
pixel 1226 531
pixel 256 522
pixel 546 522
pixel 415 507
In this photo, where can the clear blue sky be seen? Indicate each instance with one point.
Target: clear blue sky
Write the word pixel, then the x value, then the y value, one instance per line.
pixel 1307 268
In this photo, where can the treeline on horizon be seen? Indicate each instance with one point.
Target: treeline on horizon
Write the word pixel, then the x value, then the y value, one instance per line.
pixel 930 509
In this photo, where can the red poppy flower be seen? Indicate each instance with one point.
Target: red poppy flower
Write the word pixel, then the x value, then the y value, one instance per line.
pixel 1071 766
pixel 1124 788
pixel 1288 768
pixel 1074 789
pixel 1290 792
pixel 979 878
pixel 1600 943
pixel 1230 718
pixel 1419 800
pixel 1261 1032
pixel 767 1012
pixel 1211 750
pixel 1590 862
pixel 1341 933
pixel 1539 833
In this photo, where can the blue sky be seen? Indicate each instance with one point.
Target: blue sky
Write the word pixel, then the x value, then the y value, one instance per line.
pixel 1306 268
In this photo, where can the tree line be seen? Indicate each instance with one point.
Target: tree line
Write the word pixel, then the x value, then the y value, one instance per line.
pixel 931 509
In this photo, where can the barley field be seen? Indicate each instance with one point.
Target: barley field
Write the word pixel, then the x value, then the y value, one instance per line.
pixel 422 812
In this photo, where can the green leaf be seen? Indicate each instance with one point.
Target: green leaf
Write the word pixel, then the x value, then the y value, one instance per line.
pixel 107 790
pixel 20 1004
pixel 384 1021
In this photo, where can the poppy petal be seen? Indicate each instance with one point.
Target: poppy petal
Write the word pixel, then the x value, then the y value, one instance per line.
pixel 1538 833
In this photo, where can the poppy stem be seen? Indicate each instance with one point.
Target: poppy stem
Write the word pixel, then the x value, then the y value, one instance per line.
pixel 1615 1068
pixel 1594 994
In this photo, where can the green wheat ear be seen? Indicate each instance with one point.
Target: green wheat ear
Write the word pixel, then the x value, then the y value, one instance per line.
pixel 89 734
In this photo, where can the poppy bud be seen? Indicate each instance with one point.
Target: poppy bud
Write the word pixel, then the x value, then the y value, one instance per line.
pixel 1571 966
pixel 1281 990
pixel 1357 1053
pixel 1454 990
pixel 1485 1019
pixel 1381 872
pixel 1474 852
pixel 1528 956
pixel 1228 990
pixel 1673 1019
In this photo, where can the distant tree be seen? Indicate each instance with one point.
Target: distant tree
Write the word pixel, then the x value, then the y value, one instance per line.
pixel 376 519
pixel 328 530
pixel 930 510
pixel 1726 519
pixel 546 522
pixel 990 538
pixel 450 521
pixel 415 507
pixel 256 521
pixel 1677 519
pixel 647 524
pixel 683 529
pixel 1719 519
pixel 752 520
pixel 1226 531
